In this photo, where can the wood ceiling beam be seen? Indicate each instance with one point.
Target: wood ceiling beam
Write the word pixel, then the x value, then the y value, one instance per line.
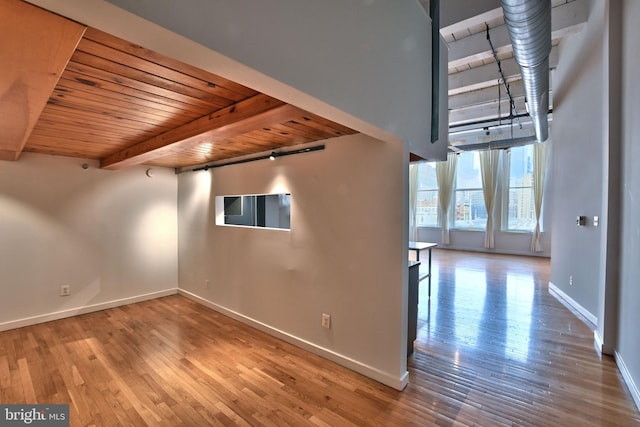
pixel 36 46
pixel 245 116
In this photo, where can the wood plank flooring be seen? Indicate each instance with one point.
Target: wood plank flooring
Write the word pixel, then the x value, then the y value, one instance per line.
pixel 493 348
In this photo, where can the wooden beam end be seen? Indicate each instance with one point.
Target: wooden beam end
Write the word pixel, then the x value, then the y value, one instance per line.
pixel 9 155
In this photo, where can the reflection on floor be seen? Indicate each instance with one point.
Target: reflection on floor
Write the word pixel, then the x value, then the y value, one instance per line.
pixel 495 347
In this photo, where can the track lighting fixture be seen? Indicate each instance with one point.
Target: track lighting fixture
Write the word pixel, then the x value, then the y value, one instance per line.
pixel 271 156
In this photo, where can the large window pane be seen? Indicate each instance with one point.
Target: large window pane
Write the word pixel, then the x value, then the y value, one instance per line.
pixel 521 215
pixel 427 202
pixel 469 209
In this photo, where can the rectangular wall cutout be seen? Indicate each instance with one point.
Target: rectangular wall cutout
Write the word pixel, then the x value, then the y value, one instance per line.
pixel 255 210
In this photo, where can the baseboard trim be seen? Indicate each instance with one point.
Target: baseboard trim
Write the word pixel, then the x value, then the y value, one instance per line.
pixel 628 379
pixel 28 321
pixel 581 312
pixel 498 251
pixel 398 383
pixel 597 342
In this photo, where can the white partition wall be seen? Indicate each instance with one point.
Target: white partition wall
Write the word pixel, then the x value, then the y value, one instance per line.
pixel 345 254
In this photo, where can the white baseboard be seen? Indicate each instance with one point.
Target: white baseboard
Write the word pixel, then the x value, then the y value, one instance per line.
pixel 573 306
pixel 597 342
pixel 28 321
pixel 398 383
pixel 628 379
pixel 544 254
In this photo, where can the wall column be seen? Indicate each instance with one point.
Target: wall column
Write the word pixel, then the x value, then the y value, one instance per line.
pixel 608 283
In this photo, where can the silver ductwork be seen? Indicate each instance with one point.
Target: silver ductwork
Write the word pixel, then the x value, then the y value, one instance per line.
pixel 529 25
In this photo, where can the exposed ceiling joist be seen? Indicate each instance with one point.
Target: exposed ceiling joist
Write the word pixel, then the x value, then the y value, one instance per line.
pixel 36 46
pixel 486 110
pixel 484 95
pixel 566 19
pixel 253 113
pixel 487 75
pixel 482 77
pixel 477 96
pixel 462 14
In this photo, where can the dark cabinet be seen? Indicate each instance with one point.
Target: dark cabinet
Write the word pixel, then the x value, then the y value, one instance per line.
pixel 412 318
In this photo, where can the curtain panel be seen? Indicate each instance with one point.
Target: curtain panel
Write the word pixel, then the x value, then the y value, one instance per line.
pixel 539 173
pixel 446 175
pixel 489 161
pixel 413 202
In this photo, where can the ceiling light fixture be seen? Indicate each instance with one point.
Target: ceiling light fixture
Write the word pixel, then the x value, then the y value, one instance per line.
pixel 273 156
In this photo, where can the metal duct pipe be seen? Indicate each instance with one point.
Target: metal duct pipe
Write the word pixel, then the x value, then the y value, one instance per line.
pixel 529 25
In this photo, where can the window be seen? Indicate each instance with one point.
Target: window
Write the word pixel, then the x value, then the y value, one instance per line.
pixel 233 205
pixel 259 210
pixel 427 203
pixel 521 214
pixel 469 211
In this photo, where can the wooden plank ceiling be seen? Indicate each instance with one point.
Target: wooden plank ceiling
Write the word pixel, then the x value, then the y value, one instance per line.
pixel 124 105
pixel 34 49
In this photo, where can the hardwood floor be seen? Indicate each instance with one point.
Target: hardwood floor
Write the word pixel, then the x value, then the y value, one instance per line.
pixel 493 348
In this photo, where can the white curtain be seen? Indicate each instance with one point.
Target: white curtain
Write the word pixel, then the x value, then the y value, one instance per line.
pixel 539 171
pixel 489 171
pixel 413 201
pixel 445 175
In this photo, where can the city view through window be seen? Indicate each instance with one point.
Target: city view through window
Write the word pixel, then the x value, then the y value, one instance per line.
pixel 427 200
pixel 468 210
pixel 521 213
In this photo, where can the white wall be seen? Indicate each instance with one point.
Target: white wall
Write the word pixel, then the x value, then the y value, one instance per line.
pixel 596 154
pixel 629 316
pixel 111 236
pixel 368 59
pixel 577 134
pixel 345 254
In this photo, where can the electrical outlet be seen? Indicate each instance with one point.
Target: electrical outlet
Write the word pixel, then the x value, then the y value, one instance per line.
pixel 206 284
pixel 570 280
pixel 65 290
pixel 326 321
